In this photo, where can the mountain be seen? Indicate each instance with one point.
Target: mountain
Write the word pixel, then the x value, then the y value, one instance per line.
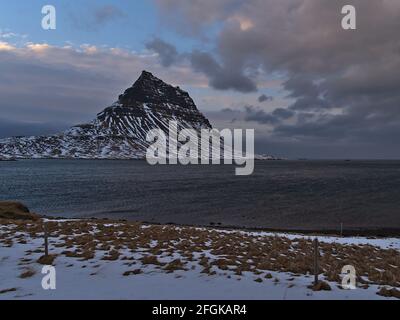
pixel 119 131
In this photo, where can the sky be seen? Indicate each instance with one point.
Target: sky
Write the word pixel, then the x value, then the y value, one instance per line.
pixel 285 68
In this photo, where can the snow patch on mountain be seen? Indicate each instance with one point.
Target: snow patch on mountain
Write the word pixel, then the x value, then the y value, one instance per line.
pixel 119 131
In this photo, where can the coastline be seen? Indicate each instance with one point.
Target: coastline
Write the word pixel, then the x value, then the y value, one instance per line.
pixel 351 232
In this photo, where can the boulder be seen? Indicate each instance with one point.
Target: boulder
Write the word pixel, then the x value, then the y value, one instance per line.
pixel 14 210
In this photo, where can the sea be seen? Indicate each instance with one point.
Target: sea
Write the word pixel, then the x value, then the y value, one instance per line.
pixel 293 195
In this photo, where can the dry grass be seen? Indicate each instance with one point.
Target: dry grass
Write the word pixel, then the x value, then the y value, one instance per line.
pixel 8 290
pixel 15 211
pixel 151 260
pixel 393 293
pixel 27 274
pixel 134 272
pixel 227 252
pixel 321 286
pixel 111 256
pixel 46 260
pixel 175 265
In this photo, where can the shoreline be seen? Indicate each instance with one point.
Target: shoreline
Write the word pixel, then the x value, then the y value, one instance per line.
pixel 352 232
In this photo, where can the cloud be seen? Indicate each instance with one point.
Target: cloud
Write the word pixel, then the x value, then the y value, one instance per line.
pixel 282 113
pixel 260 116
pixel 95 17
pixel 4 46
pixel 45 84
pixel 275 117
pixel 106 14
pixel 167 52
pixel 189 17
pixel 343 84
pixel 7 34
pixel 264 98
pixel 220 77
pixel 9 128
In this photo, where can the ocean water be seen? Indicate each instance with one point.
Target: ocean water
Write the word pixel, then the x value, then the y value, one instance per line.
pixel 280 194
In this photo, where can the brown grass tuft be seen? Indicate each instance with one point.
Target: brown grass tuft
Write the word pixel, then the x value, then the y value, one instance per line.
pixel 175 265
pixel 134 272
pixel 46 260
pixel 8 290
pixel 321 286
pixel 27 274
pixel 148 260
pixel 389 293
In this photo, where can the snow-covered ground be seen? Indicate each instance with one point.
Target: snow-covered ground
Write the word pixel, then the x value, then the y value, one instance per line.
pixel 101 279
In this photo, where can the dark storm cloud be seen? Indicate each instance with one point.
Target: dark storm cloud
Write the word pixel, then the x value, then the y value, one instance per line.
pixel 35 91
pixel 49 85
pixel 258 115
pixel 106 14
pixel 343 83
pixel 221 77
pixel 282 113
pixel 167 52
pixel 189 17
pixel 9 128
pixel 264 98
pixel 94 17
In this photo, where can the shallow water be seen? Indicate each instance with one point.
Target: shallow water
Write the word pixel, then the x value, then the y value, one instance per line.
pixel 280 194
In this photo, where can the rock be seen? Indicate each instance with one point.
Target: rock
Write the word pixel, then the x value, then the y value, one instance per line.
pixel 16 211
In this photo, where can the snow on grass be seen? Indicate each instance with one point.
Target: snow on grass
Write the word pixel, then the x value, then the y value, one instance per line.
pixel 105 260
pixel 383 243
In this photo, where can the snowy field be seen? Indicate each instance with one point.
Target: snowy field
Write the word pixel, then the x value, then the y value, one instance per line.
pixel 96 260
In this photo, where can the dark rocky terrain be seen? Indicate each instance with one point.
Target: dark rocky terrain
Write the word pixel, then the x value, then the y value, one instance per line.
pixel 119 131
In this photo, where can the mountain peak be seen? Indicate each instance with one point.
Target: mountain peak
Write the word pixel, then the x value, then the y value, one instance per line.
pixel 147 76
pixel 150 89
pixel 119 131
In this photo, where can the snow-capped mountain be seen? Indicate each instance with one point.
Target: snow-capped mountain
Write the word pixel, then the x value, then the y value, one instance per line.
pixel 119 131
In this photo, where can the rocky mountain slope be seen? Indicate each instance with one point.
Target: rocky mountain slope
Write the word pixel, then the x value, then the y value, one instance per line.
pixel 119 131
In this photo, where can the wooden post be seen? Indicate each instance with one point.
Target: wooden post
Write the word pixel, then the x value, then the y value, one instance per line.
pixel 341 229
pixel 46 240
pixel 316 256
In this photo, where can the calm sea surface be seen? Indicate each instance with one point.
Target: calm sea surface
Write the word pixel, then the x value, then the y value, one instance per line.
pixel 286 194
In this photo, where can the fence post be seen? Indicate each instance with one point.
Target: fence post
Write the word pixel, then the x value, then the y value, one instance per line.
pixel 316 256
pixel 46 240
pixel 341 229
